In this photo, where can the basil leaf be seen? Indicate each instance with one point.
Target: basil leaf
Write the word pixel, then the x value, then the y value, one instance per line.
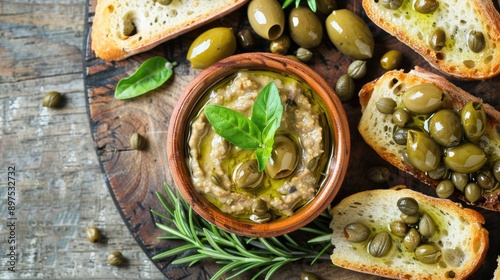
pixel 267 107
pixel 152 73
pixel 263 155
pixel 312 5
pixel 234 127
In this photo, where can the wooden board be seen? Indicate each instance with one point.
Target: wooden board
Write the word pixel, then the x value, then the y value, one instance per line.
pixel 134 176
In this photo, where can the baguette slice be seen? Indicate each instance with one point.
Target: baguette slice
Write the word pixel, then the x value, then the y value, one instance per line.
pixel 461 237
pixel 124 28
pixel 377 128
pixel 456 18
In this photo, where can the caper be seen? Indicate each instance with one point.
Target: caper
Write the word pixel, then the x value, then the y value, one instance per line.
pixel 391 4
pixel 400 136
pixel 465 158
pixel 356 232
pixel 496 169
pixel 459 180
pixel 391 60
pixel 284 157
pixel 305 27
pixel 472 192
pixel 326 6
pixel 437 39
pixel 399 228
pixel 93 234
pixel 247 176
pixel 428 253
pixel 423 98
pixel 137 142
pixel 280 45
pixel 163 2
pixel 473 118
pixel 485 179
pixel 412 239
pixel 260 207
pixel 401 117
pixel 357 69
pixel 423 153
pixel 386 105
pixel 445 128
pixel 410 219
pixel 304 54
pixel 476 41
pixel 425 6
pixel 426 226
pixel 380 245
pixel 211 46
pixel 260 219
pixel 115 258
pixel 439 173
pixel 308 276
pixel 345 87
pixel 245 39
pixel 51 99
pixel 445 188
pixel 350 34
pixel 215 179
pixel 378 174
pixel 267 18
pixel 408 205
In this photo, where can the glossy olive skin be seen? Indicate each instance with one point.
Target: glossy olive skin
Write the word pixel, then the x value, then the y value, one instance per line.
pixel 350 34
pixel 267 18
pixel 326 6
pixel 401 117
pixel 211 46
pixel 391 60
pixel 437 39
pixel 465 158
pixel 247 176
pixel 476 41
pixel 284 157
pixel 423 98
pixel 459 180
pixel 408 205
pixel 305 27
pixel 445 128
pixel 473 118
pixel 472 192
pixel 445 189
pixel 423 152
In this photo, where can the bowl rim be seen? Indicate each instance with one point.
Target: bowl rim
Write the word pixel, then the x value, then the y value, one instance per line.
pixel 177 158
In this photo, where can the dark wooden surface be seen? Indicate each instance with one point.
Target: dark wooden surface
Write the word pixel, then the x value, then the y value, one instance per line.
pixel 133 176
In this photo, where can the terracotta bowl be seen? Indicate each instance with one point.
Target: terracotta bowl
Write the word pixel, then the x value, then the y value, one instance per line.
pixel 179 130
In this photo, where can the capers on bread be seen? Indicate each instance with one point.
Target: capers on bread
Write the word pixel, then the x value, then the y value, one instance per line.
pixel 453 248
pixel 460 38
pixel 121 29
pixel 419 146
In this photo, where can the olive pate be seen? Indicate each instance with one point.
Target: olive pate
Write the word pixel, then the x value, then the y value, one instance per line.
pixel 228 175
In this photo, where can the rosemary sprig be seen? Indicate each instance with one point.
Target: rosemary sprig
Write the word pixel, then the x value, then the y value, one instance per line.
pixel 236 254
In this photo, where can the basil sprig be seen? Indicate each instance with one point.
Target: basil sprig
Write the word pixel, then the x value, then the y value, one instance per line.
pixel 311 3
pixel 256 133
pixel 152 73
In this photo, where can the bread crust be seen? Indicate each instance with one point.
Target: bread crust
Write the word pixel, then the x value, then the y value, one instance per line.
pixel 477 235
pixel 486 15
pixel 392 154
pixel 110 42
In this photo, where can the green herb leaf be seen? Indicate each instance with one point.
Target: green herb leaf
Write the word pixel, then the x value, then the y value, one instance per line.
pixel 234 127
pixel 267 108
pixel 311 3
pixel 153 73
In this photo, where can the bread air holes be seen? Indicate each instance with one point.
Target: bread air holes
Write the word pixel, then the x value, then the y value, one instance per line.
pixel 129 25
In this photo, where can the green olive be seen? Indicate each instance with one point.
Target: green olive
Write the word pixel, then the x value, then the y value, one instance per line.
pixel 465 158
pixel 472 192
pixel 326 6
pixel 410 219
pixel 400 136
pixel 260 207
pixel 439 173
pixel 305 27
pixel 284 157
pixel 412 239
pixel 304 54
pixel 245 39
pixel 485 179
pixel 445 128
pixel 308 276
pixel 428 253
pixel 445 188
pixel 356 232
pixel 378 174
pixel 425 6
pixel 423 98
pixel 399 228
pixel 423 152
pixel 350 34
pixel 247 176
pixel 345 87
pixel 260 219
pixel 357 69
pixel 401 117
pixel 437 39
pixel 476 41
pixel 391 60
pixel 496 169
pixel 386 105
pixel 459 180
pixel 473 118
pixel 267 18
pixel 211 46
pixel 391 4
pixel 380 245
pixel 280 45
pixel 408 205
pixel 426 226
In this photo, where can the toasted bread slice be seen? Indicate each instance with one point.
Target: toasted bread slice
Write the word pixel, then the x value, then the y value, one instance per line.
pixel 124 28
pixel 377 128
pixel 460 236
pixel 456 18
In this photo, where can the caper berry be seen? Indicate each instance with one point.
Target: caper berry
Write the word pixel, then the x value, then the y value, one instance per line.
pixel 345 87
pixel 357 69
pixel 308 276
pixel 399 228
pixel 386 105
pixel 465 158
pixel 380 245
pixel 445 188
pixel 425 6
pixel 437 39
pixel 401 117
pixel 137 142
pixel 472 192
pixel 408 205
pixel 304 54
pixel 459 180
pixel 423 152
pixel 428 253
pixel 473 118
pixel 115 258
pixel 476 41
pixel 280 45
pixel 391 4
pixel 485 179
pixel 356 232
pixel 391 60
pixel 423 98
pixel 445 128
pixel 412 239
pixel 51 99
pixel 426 226
pixel 378 174
pixel 93 234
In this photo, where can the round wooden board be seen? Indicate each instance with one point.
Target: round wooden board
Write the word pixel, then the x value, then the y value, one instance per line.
pixel 134 176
